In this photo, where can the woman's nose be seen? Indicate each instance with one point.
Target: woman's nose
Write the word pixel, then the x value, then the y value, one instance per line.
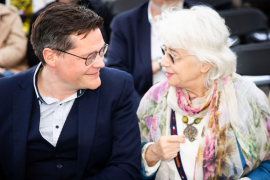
pixel 165 61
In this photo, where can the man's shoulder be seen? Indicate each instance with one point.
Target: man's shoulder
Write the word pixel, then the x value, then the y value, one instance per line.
pixel 115 83
pixel 132 14
pixel 11 83
pixel 113 75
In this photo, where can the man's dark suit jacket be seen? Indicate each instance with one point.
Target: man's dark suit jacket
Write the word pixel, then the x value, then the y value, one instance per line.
pixel 130 48
pixel 107 125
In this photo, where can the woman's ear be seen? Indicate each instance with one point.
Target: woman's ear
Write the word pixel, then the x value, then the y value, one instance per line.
pixel 49 56
pixel 205 67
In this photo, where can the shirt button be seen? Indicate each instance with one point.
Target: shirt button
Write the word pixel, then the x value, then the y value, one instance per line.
pixel 59 166
pixel 57 127
pixel 60 104
pixel 57 155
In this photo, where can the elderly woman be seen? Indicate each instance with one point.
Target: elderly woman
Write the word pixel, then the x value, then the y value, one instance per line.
pixel 205 121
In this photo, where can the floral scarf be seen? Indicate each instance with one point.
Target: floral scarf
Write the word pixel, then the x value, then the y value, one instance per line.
pixel 237 109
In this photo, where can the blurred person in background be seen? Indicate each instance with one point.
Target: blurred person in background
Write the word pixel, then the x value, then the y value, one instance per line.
pixel 204 121
pixel 12 42
pixel 96 5
pixel 25 8
pixel 134 44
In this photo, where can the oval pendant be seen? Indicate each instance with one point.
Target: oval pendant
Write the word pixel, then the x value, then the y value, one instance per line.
pixel 197 121
pixel 185 119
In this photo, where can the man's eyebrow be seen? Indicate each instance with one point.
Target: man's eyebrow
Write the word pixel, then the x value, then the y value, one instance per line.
pixel 94 51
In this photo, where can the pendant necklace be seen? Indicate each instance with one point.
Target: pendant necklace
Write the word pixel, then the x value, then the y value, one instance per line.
pixel 190 131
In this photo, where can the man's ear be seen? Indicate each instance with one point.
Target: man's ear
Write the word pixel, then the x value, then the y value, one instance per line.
pixel 205 67
pixel 49 56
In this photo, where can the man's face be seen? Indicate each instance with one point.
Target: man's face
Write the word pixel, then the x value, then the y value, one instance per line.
pixel 72 70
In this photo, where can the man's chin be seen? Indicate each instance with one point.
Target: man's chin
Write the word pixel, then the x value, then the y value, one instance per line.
pixel 94 84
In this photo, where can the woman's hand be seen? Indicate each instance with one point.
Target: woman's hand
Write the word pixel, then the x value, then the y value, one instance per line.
pixel 155 66
pixel 166 148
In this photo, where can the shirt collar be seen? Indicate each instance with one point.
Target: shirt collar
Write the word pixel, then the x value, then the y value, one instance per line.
pixel 150 17
pixel 39 67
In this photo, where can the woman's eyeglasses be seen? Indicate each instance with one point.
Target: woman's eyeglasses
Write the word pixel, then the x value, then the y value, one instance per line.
pixel 91 57
pixel 172 57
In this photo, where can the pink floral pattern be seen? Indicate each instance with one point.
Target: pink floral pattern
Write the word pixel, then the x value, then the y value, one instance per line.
pixel 184 102
pixel 157 90
pixel 209 156
pixel 152 125
pixel 267 124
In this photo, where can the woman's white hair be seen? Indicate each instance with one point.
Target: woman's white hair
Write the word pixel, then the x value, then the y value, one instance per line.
pixel 202 32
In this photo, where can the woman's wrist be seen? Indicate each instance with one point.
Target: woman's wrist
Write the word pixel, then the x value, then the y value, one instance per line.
pixel 151 157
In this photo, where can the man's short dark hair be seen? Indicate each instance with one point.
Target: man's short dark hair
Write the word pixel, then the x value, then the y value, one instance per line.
pixel 53 27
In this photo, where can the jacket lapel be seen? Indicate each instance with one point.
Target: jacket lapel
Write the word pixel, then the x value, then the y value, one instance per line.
pixel 87 116
pixel 144 32
pixel 22 106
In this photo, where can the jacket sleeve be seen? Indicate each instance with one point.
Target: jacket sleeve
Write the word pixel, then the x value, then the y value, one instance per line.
pixel 14 49
pixel 1 174
pixel 125 161
pixel 118 56
pixel 118 50
pixel 262 172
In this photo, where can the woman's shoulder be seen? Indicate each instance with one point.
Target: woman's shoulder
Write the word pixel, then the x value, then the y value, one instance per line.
pixel 152 98
pixel 157 91
pixel 247 88
pixel 248 95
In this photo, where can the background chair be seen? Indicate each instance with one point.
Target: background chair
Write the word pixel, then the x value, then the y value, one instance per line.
pixel 245 22
pixel 119 6
pixel 254 60
pixel 217 4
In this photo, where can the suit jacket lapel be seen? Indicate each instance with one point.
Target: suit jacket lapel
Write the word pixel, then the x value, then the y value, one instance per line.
pixel 87 116
pixel 144 43
pixel 22 106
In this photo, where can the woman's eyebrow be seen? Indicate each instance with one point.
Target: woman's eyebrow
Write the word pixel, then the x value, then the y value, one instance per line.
pixel 172 50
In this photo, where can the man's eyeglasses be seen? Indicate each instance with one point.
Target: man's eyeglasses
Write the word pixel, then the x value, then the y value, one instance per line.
pixel 91 57
pixel 172 57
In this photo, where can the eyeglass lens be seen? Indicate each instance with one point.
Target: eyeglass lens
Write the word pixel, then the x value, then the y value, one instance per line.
pixel 91 57
pixel 164 52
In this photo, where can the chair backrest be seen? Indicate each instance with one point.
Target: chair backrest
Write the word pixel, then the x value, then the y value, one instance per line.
pixel 253 59
pixel 244 21
pixel 119 6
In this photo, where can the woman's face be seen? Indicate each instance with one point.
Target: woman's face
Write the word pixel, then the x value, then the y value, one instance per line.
pixel 185 72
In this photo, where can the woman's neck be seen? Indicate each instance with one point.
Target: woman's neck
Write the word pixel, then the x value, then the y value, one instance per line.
pixel 196 92
pixel 196 87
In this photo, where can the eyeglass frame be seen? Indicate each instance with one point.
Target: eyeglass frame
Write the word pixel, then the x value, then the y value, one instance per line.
pixel 91 62
pixel 173 57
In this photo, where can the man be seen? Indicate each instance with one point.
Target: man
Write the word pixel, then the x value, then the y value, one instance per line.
pixel 12 42
pixel 96 5
pixel 67 118
pixel 135 45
